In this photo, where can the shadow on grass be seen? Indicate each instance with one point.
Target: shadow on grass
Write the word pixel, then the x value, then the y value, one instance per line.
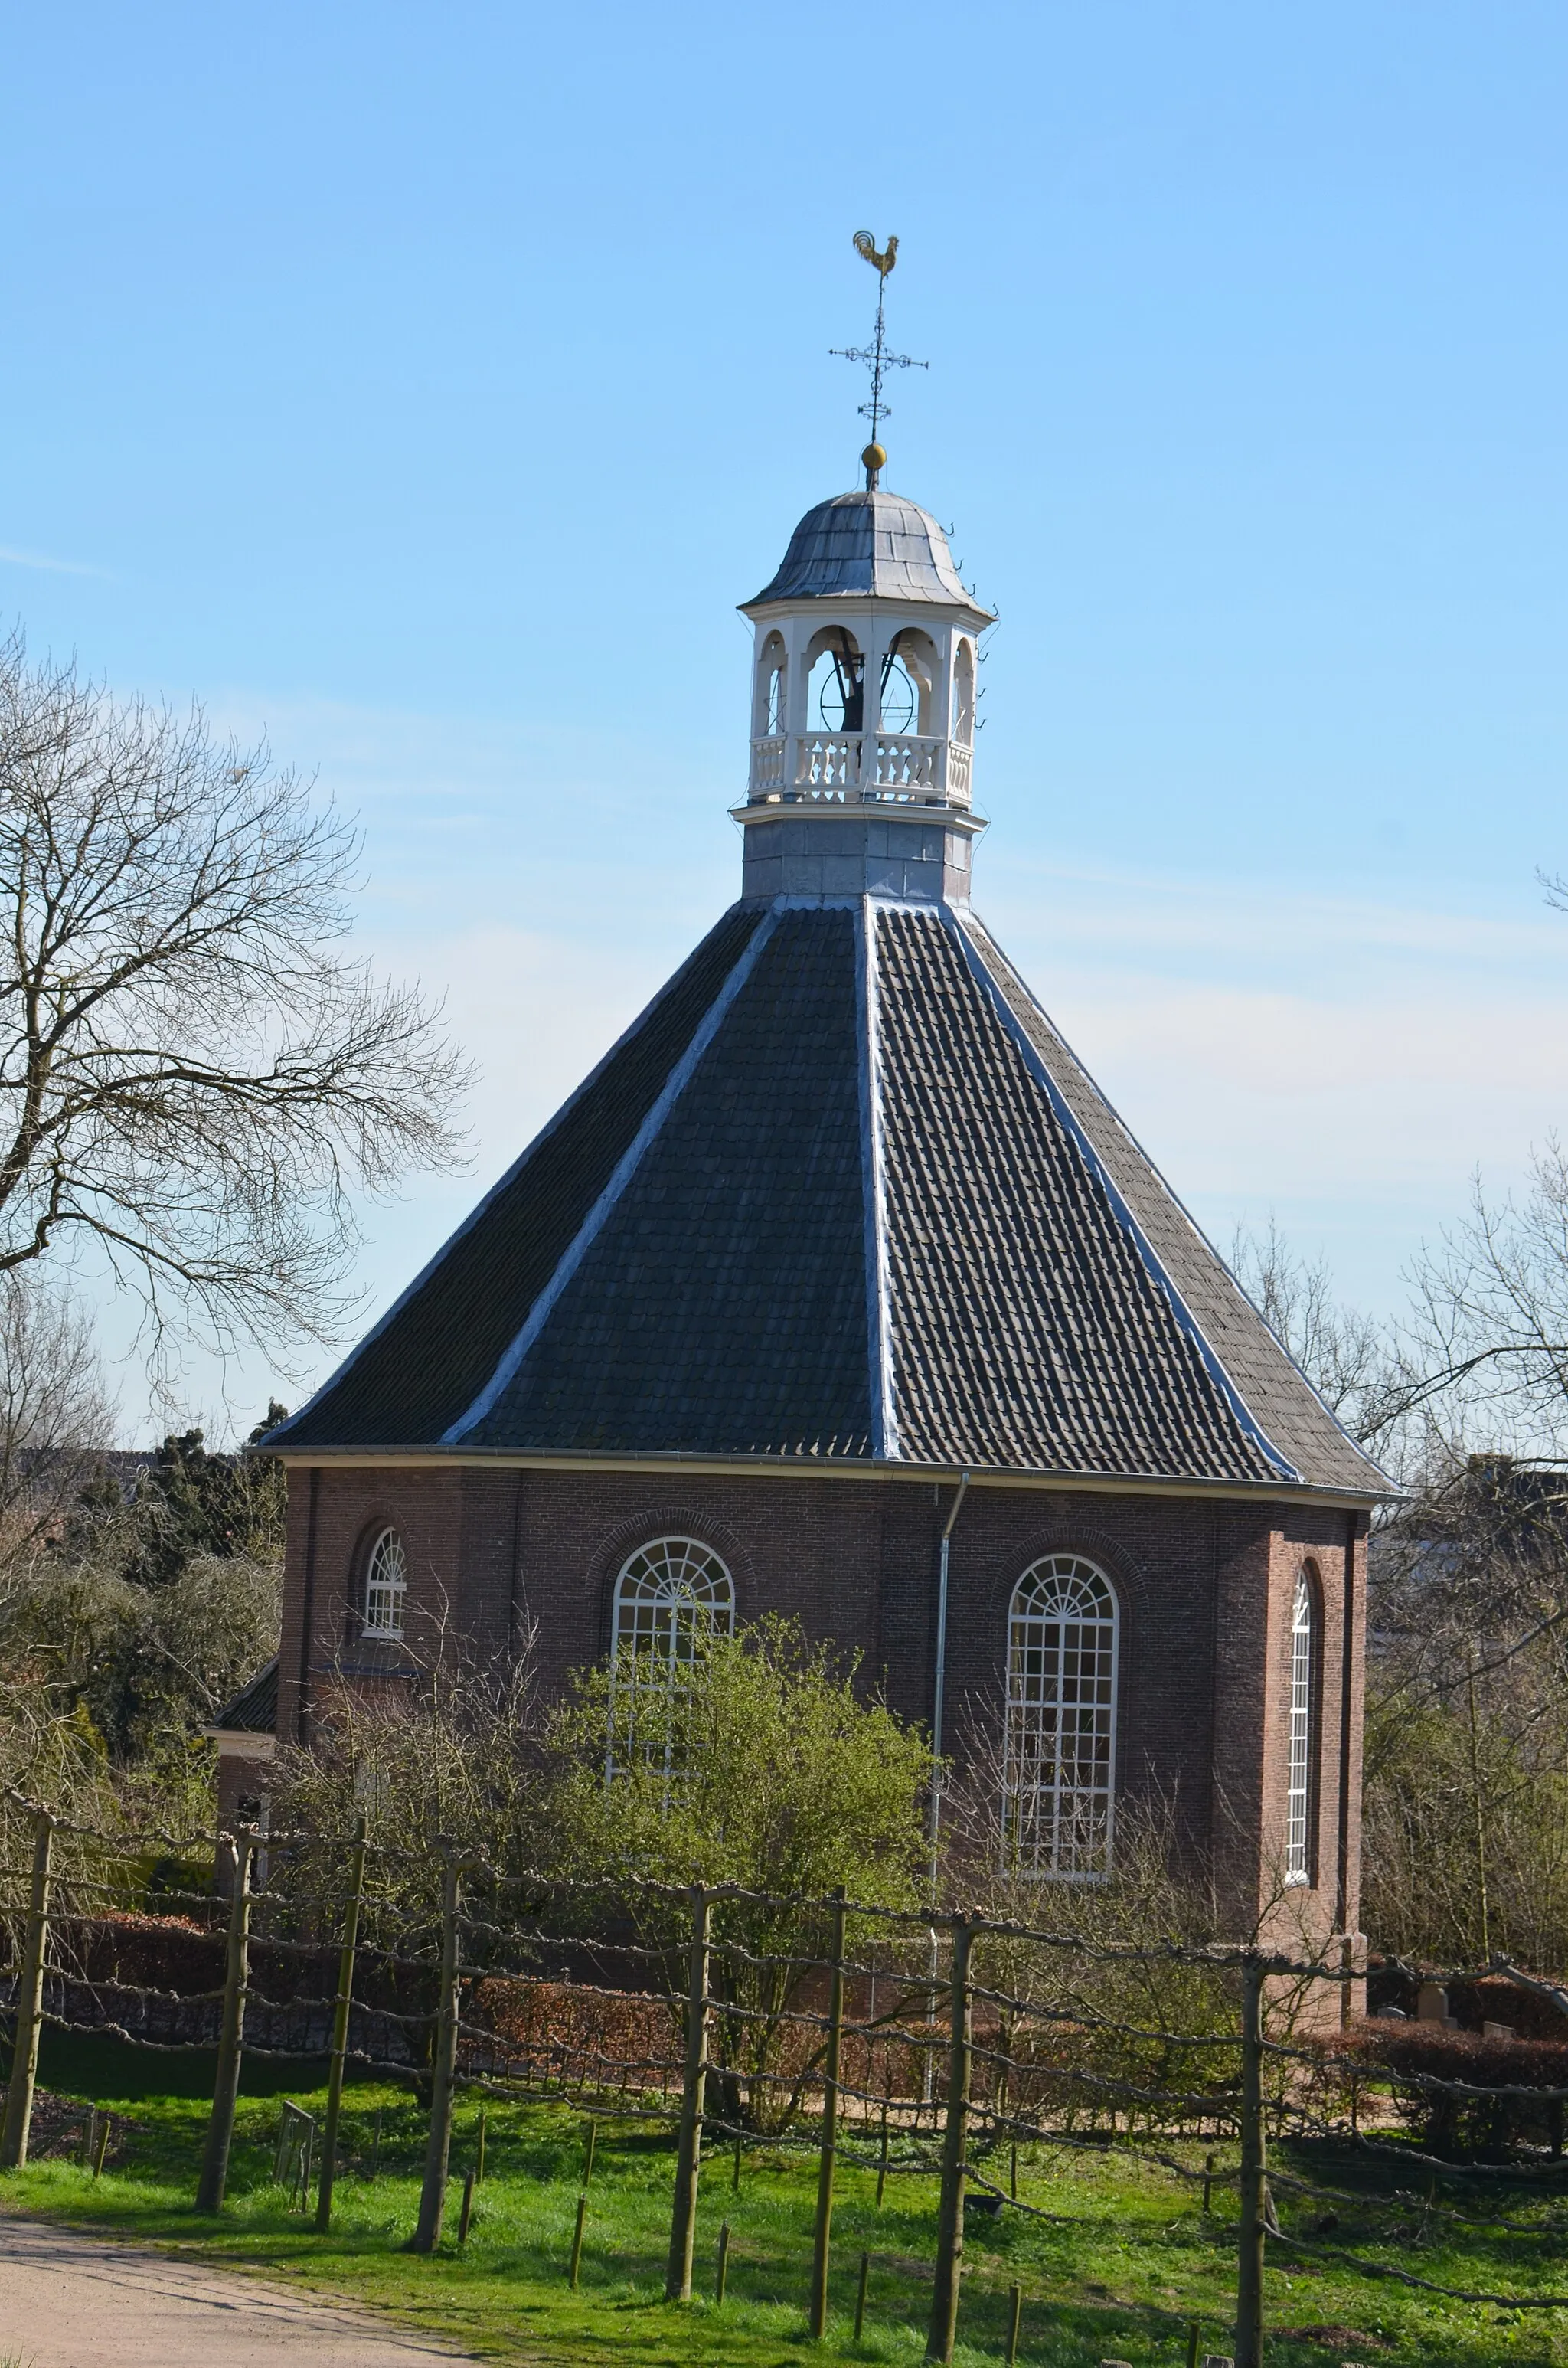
pixel 1117 2274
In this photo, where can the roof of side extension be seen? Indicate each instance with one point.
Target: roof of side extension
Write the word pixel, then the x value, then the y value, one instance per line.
pixel 840 1194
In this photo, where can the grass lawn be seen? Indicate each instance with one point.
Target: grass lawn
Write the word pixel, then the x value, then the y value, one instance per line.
pixel 1117 2274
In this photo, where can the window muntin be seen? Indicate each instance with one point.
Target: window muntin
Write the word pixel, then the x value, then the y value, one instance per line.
pixel 671 1597
pixel 1298 1811
pixel 1059 1742
pixel 386 1586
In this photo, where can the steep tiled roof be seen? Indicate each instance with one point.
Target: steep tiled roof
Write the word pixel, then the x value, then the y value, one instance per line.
pixel 841 1193
pixel 254 1710
pixel 722 1305
pixel 431 1356
pixel 1027 1325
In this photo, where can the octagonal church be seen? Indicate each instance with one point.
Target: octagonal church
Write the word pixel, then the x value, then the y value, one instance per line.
pixel 839 1289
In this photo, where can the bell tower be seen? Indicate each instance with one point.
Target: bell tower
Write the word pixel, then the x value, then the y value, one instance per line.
pixel 863 689
pixel 863 708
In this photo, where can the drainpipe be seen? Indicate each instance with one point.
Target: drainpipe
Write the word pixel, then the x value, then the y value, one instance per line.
pixel 940 1690
pixel 935 1822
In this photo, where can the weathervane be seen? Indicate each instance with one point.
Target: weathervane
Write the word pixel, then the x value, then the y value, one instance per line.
pixel 875 357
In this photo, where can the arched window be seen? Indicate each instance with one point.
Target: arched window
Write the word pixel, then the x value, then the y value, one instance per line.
pixel 909 672
pixel 771 676
pixel 671 1596
pixel 1303 1678
pixel 836 682
pixel 1059 1756
pixel 963 694
pixel 386 1585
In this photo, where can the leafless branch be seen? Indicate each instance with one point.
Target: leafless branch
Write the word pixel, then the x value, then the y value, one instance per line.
pixel 195 1073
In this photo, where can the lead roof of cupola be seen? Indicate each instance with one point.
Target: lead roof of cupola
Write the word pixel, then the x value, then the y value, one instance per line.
pixel 866 543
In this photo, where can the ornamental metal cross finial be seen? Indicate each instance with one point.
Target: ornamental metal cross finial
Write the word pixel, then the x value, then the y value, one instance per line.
pixel 876 355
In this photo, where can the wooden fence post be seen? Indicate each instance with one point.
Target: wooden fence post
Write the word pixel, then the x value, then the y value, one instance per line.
pixel 955 2152
pixel 1254 2176
pixel 438 2147
pixel 693 2102
pixel 340 2031
pixel 828 2149
pixel 30 2002
pixel 236 1973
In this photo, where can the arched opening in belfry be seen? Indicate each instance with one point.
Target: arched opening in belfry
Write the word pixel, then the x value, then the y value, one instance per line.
pixel 909 682
pixel 772 677
pixel 963 693
pixel 836 695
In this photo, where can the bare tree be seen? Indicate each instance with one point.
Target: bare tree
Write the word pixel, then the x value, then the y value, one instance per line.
pixel 1467 1722
pixel 195 1075
pixel 1350 1359
pixel 1490 1326
pixel 54 1412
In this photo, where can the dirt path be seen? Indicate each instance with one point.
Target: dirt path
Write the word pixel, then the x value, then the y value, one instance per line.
pixel 72 2301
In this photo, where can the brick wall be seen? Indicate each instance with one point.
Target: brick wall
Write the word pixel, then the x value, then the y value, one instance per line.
pixel 1205 1588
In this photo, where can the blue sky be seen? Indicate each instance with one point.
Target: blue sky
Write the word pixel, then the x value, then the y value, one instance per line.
pixel 428 384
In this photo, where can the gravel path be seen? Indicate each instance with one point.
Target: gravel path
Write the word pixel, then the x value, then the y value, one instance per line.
pixel 73 2301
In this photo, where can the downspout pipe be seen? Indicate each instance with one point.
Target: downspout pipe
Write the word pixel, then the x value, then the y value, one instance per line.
pixel 940 1692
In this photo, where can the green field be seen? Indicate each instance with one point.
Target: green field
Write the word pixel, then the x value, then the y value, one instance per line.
pixel 1117 2271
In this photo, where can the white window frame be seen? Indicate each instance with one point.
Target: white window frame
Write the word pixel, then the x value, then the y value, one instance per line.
pixel 671 1594
pixel 1059 1750
pixel 386 1591
pixel 1302 1704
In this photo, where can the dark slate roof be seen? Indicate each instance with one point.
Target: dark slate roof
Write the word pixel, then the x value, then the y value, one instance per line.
pixel 254 1710
pixel 866 543
pixel 842 1193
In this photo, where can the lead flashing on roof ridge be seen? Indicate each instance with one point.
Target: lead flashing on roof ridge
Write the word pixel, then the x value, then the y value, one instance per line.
pixel 486 1200
pixel 971 922
pixel 620 1176
pixel 1153 1265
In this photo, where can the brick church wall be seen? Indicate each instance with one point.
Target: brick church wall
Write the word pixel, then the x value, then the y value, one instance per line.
pixel 1205 1584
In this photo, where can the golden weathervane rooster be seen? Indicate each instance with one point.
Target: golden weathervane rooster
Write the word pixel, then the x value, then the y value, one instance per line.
pixel 865 244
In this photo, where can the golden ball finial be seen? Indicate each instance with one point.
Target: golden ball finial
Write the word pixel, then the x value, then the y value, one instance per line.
pixel 874 457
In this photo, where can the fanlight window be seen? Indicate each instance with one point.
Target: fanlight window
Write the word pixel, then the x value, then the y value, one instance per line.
pixel 1303 1654
pixel 386 1585
pixel 1059 1759
pixel 671 1597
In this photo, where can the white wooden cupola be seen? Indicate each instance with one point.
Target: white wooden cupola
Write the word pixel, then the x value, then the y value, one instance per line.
pixel 863 708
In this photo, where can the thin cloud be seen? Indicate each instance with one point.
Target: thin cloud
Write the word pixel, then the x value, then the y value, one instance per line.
pixel 50 567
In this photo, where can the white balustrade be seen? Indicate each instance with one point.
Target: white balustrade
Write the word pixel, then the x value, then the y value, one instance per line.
pixel 907 760
pixel 766 765
pixel 902 769
pixel 828 764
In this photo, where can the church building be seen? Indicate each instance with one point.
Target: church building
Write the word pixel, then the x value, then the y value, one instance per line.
pixel 838 1290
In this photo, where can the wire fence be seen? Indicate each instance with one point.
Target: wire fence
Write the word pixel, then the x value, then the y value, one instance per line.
pixel 908 2044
